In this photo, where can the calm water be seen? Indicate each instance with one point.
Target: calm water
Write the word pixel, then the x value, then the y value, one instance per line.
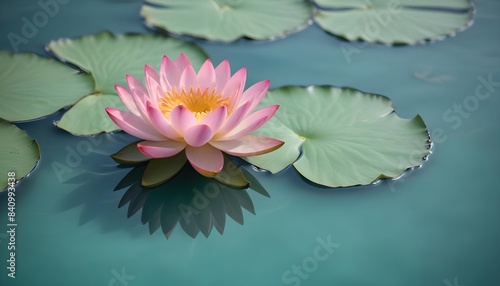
pixel 436 226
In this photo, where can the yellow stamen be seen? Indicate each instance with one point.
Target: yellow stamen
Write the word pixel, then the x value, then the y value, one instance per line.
pixel 200 103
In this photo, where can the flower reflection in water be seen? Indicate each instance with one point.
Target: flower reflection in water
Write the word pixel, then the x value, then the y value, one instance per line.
pixel 196 203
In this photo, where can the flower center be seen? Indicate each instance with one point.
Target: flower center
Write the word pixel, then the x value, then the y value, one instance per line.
pixel 200 103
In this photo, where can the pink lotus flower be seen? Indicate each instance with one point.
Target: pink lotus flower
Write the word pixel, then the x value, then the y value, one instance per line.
pixel 203 113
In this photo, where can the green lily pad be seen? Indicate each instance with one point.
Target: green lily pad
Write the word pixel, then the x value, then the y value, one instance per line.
pixel 159 171
pixel 228 20
pixel 32 87
pixel 340 136
pixel 19 153
pixel 394 21
pixel 231 175
pixel 108 58
pixel 86 117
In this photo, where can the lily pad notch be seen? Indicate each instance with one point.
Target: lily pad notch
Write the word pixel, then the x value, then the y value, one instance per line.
pixel 106 59
pixel 340 137
pixel 228 20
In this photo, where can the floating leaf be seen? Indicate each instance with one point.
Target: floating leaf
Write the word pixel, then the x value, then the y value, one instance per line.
pixel 347 137
pixel 86 117
pixel 107 58
pixel 162 170
pixel 394 21
pixel 130 154
pixel 19 153
pixel 228 20
pixel 231 175
pixel 32 87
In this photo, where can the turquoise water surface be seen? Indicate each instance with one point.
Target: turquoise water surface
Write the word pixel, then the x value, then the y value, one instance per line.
pixel 438 225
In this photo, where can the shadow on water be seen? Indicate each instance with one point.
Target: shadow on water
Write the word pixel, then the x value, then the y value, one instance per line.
pixel 196 203
pixel 97 202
